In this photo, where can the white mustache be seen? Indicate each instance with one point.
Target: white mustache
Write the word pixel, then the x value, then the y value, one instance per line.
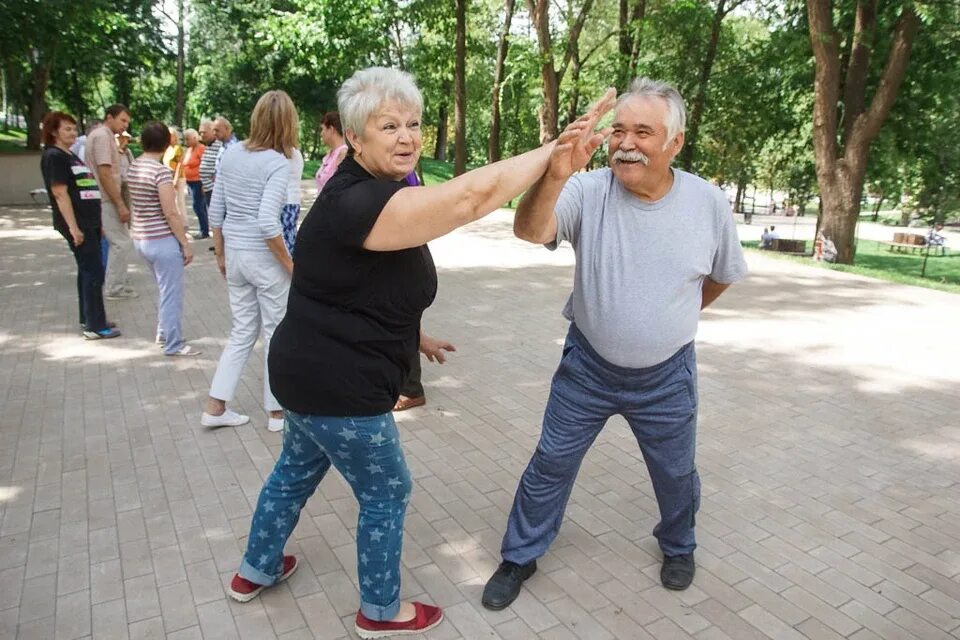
pixel 631 156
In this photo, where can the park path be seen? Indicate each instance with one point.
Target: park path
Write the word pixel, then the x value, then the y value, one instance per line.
pixel 829 449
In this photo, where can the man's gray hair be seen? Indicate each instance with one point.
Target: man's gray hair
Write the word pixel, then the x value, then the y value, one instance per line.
pixel 224 122
pixel 676 118
pixel 366 91
pixel 205 123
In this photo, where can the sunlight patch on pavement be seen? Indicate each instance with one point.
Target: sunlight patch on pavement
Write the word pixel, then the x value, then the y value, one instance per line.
pixel 98 351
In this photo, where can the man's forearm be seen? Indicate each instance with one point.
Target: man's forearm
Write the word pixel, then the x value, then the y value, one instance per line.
pixel 710 291
pixel 108 185
pixel 535 212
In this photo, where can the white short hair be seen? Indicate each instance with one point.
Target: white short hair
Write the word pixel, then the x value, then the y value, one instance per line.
pixel 676 118
pixel 205 123
pixel 366 91
pixel 190 132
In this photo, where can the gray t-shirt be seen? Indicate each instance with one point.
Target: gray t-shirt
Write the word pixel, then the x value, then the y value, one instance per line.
pixel 640 265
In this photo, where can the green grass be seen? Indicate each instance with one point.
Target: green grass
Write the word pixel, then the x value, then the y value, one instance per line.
pixel 13 141
pixel 875 260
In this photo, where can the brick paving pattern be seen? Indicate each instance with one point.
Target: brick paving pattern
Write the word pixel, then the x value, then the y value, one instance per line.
pixel 829 448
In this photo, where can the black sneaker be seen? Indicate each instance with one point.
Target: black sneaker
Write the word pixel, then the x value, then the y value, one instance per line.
pixel 676 572
pixel 503 587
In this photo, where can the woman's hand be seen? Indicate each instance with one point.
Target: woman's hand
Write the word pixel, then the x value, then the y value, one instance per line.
pixel 76 235
pixel 434 348
pixel 579 139
pixel 187 253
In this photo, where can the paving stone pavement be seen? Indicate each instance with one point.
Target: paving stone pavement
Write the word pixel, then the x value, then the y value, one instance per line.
pixel 829 448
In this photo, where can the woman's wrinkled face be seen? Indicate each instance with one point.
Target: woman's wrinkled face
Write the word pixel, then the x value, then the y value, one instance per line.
pixel 66 133
pixel 390 144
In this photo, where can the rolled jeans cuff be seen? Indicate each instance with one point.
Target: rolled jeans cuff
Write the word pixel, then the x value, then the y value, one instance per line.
pixel 256 576
pixel 374 611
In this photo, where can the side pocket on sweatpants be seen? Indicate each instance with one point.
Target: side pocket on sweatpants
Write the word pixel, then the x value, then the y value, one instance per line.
pixel 695 498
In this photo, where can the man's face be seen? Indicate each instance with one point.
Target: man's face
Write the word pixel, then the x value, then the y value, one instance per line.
pixel 637 154
pixel 221 131
pixel 206 134
pixel 118 124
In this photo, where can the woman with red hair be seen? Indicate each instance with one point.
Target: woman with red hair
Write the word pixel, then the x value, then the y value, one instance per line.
pixel 75 200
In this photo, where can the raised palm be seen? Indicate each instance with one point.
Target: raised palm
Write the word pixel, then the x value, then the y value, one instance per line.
pixel 580 139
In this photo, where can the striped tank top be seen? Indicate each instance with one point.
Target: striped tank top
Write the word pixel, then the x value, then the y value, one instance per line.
pixel 144 179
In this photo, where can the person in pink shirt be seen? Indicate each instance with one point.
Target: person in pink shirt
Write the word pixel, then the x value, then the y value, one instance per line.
pixel 331 132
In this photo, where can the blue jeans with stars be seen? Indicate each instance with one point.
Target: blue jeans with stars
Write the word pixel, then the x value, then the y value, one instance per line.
pixel 366 450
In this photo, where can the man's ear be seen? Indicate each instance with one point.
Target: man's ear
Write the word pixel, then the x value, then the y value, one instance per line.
pixel 676 144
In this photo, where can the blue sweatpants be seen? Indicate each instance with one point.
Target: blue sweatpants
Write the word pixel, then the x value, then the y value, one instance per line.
pixel 659 403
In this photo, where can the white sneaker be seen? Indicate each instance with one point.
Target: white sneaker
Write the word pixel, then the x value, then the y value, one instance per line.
pixel 275 424
pixel 185 351
pixel 226 419
pixel 122 294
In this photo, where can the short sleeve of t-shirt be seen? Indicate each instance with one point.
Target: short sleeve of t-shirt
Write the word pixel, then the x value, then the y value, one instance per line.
pixel 729 264
pixel 58 169
pixel 99 149
pixel 354 211
pixel 163 176
pixel 568 210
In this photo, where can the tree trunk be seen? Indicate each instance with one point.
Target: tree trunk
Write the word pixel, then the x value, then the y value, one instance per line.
pixel 575 87
pixel 493 144
pixel 741 191
pixel 549 108
pixel 876 209
pixel 700 98
pixel 40 76
pixel 181 98
pixel 440 151
pixel 460 91
pixel 841 162
pixel 630 23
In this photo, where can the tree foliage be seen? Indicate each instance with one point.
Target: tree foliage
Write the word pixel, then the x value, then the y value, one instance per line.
pixel 746 70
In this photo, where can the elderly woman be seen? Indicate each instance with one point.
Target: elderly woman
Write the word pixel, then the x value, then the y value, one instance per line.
pixel 249 191
pixel 190 167
pixel 331 132
pixel 75 200
pixel 361 282
pixel 159 236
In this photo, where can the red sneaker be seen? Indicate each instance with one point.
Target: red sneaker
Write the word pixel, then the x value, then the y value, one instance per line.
pixel 242 590
pixel 425 618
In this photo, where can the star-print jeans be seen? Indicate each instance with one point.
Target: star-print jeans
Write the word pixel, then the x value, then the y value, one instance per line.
pixel 366 450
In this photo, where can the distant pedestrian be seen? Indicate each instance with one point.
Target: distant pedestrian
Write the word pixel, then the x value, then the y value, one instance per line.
pixel 160 236
pixel 191 173
pixel 75 200
pixel 248 193
pixel 103 157
pixel 331 132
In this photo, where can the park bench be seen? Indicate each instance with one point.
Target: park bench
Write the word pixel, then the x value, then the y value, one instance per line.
pixel 40 196
pixel 904 242
pixel 796 247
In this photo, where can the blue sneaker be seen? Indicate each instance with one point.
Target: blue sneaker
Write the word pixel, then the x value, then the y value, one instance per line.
pixel 103 334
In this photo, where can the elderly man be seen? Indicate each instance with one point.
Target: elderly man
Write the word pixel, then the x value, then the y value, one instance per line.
pixel 211 137
pixel 634 310
pixel 103 158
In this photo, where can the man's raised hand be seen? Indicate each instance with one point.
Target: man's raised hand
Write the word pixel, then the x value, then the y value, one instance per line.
pixel 580 139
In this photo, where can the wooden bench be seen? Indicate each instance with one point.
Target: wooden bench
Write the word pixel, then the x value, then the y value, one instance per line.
pixel 797 247
pixel 904 242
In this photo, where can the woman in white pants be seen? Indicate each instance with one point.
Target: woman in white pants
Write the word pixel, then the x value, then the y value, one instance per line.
pixel 249 192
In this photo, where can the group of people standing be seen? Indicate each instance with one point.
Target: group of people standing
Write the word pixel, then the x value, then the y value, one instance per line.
pixel 342 322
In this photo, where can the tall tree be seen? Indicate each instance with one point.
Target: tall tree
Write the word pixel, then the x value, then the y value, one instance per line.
pixel 722 10
pixel 842 144
pixel 460 91
pixel 550 75
pixel 631 23
pixel 503 44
